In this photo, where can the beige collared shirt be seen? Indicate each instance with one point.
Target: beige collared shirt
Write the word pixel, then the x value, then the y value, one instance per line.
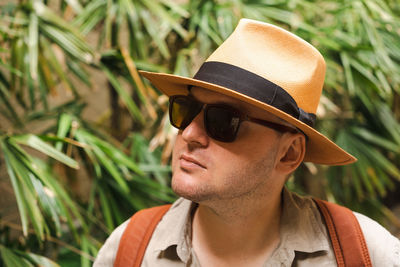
pixel 304 240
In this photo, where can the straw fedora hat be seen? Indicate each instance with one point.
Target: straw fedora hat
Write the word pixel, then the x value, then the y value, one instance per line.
pixel 270 68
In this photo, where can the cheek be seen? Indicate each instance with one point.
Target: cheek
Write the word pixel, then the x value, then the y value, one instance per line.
pixel 255 142
pixel 175 152
pixel 244 158
pixel 245 151
pixel 226 163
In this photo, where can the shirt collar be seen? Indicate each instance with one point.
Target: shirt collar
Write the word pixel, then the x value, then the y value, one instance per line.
pixel 175 229
pixel 301 229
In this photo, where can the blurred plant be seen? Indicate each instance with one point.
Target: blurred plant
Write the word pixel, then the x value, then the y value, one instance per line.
pixel 133 33
pixel 43 52
pixel 363 80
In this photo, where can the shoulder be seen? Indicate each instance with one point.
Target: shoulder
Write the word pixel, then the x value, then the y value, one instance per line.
pixel 108 251
pixel 384 248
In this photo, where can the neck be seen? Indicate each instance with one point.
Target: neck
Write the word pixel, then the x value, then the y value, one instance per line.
pixel 237 231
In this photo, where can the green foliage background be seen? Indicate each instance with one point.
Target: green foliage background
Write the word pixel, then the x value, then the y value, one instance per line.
pixel 47 147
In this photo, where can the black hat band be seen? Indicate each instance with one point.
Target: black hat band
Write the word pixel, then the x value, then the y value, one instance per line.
pixel 252 85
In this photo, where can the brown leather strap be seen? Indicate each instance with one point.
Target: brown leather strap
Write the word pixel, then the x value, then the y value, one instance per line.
pixel 136 236
pixel 344 230
pixel 347 238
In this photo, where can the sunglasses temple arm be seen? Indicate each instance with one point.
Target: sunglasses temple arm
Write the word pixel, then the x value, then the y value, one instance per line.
pixel 272 125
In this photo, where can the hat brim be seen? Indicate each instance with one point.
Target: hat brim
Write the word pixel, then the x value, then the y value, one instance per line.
pixel 319 149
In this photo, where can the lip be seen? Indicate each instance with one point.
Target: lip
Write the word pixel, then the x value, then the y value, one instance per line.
pixel 188 162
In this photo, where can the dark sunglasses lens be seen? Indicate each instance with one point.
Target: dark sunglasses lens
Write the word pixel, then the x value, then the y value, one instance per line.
pixel 182 110
pixel 221 123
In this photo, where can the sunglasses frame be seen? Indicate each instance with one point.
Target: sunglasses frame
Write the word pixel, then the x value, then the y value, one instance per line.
pixel 242 117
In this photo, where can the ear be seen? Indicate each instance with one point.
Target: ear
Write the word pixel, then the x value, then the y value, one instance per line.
pixel 291 153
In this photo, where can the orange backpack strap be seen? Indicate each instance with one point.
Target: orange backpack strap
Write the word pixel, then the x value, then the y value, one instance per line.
pixel 137 235
pixel 344 230
pixel 346 236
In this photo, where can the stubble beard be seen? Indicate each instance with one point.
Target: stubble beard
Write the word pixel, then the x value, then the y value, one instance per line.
pixel 244 184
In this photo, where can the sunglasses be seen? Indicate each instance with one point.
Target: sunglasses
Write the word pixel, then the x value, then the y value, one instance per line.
pixel 221 121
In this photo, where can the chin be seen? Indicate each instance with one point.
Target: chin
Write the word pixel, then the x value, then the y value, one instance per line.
pixel 186 186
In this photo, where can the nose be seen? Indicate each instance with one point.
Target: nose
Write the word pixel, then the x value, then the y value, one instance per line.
pixel 195 133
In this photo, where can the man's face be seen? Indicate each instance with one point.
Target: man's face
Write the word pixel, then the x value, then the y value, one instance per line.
pixel 205 169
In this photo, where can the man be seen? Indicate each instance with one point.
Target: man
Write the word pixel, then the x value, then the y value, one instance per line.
pixel 245 124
